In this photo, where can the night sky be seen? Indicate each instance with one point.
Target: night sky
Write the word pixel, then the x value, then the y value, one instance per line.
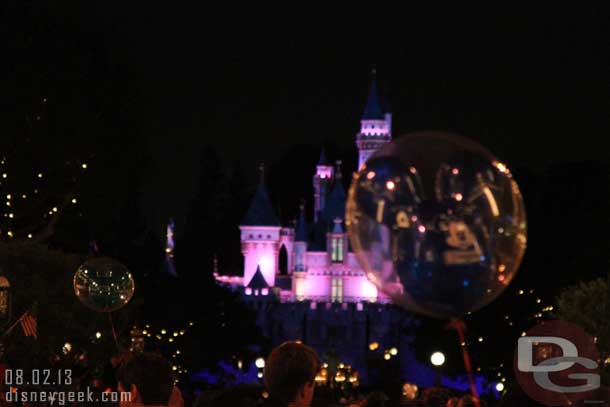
pixel 531 85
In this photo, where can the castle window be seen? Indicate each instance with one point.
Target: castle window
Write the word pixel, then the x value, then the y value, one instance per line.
pixel 337 250
pixel 283 261
pixel 337 290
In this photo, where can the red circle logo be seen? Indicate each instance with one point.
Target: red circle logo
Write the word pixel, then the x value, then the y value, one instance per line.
pixel 557 364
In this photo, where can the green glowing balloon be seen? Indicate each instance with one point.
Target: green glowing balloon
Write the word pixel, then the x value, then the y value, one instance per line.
pixel 103 284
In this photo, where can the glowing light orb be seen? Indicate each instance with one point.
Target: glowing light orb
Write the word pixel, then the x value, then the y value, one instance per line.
pixel 260 363
pixel 437 359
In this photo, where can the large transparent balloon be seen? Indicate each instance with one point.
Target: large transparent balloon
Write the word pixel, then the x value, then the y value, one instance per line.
pixel 103 284
pixel 437 223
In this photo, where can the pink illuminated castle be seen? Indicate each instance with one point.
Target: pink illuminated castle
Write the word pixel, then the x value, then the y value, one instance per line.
pixel 319 267
pixel 304 283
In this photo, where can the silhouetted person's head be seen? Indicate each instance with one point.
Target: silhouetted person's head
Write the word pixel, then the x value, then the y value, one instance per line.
pixel 290 373
pixel 148 377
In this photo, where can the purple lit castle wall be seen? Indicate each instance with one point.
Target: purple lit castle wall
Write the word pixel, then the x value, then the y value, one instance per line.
pixel 260 247
pixel 336 284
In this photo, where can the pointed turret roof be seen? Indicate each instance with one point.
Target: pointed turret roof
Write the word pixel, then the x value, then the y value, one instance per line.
pixel 323 160
pixel 335 203
pixel 372 110
pixel 261 212
pixel 258 280
pixel 300 234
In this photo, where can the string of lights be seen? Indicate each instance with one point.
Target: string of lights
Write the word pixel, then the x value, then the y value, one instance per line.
pixel 517 324
pixel 36 192
pixel 167 339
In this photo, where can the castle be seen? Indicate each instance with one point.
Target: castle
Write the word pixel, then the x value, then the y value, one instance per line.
pixel 318 265
pixel 305 284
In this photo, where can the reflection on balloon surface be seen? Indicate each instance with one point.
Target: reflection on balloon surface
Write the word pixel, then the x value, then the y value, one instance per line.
pixel 437 223
pixel 103 284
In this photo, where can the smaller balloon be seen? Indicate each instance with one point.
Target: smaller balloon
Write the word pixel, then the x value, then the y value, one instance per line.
pixel 103 284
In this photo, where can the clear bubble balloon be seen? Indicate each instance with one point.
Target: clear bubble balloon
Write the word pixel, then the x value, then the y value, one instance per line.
pixel 103 284
pixel 437 223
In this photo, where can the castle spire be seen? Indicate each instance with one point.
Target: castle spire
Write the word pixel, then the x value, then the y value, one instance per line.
pixel 322 160
pixel 301 227
pixel 260 212
pixel 322 181
pixel 261 172
pixel 375 126
pixel 372 110
pixel 338 174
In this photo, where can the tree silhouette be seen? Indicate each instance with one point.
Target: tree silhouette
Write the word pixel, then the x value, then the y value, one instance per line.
pixel 588 304
pixel 70 166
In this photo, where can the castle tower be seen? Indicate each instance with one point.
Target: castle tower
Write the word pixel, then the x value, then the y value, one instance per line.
pixel 299 276
pixel 375 126
pixel 300 243
pixel 260 237
pixel 335 200
pixel 321 182
pixel 337 243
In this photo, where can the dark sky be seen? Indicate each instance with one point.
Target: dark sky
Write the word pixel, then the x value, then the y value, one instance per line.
pixel 531 85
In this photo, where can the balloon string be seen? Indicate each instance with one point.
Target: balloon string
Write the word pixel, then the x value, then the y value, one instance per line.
pixel 114 335
pixel 460 326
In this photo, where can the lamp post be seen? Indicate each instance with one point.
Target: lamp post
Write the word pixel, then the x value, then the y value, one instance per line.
pixel 437 359
pixel 260 364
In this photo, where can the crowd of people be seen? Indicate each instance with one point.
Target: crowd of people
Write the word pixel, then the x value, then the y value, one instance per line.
pixel 147 379
pixel 289 381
